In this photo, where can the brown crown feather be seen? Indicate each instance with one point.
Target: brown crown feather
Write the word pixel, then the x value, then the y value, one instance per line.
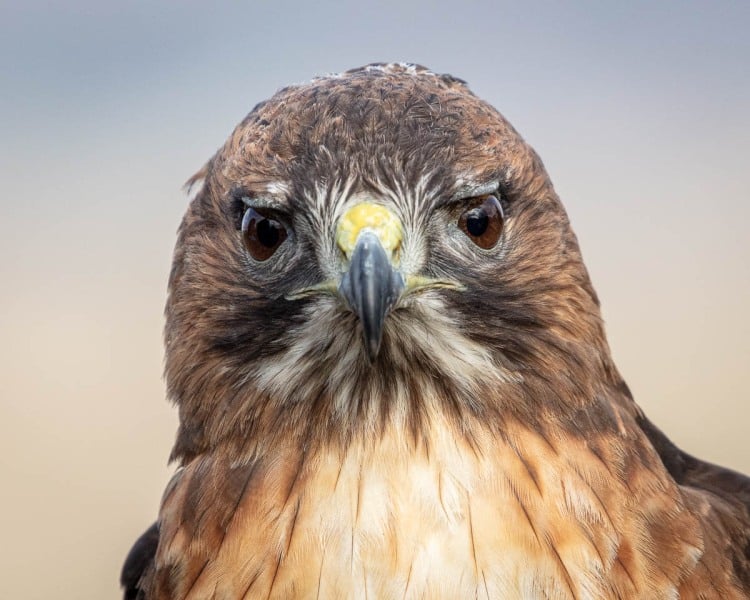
pixel 260 424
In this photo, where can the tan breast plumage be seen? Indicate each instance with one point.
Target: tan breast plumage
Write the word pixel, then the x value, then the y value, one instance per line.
pixel 442 519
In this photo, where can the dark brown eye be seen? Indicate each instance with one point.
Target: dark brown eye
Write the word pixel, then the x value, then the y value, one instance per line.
pixel 262 234
pixel 483 223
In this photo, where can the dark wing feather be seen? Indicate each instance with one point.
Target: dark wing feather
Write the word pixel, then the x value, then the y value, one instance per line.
pixel 688 470
pixel 139 560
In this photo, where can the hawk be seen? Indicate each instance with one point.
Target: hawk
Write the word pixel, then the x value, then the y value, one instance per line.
pixel 393 379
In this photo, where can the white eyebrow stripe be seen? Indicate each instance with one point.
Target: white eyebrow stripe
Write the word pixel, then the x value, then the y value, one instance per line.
pixel 263 201
pixel 469 189
pixel 278 188
pixel 275 196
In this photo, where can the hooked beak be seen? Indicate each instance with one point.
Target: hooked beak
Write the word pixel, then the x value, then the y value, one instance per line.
pixel 369 235
pixel 371 287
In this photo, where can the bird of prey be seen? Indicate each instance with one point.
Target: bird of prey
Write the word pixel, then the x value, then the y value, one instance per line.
pixel 393 379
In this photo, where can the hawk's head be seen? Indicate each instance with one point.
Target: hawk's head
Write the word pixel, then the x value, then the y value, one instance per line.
pixel 372 247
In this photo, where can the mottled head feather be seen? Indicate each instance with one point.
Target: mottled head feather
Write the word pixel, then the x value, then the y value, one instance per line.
pixel 241 358
pixel 493 399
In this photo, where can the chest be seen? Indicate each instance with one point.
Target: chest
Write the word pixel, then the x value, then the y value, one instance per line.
pixel 444 520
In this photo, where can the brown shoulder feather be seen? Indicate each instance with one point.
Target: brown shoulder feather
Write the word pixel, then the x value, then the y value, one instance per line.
pixel 727 493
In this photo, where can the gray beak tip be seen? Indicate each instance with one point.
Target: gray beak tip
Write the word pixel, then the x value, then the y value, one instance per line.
pixel 371 287
pixel 373 347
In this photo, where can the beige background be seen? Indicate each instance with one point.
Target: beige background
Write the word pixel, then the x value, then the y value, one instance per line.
pixel 641 116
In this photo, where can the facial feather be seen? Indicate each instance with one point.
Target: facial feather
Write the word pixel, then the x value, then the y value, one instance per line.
pixel 490 448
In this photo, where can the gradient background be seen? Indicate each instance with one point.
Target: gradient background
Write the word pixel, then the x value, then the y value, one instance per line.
pixel 639 110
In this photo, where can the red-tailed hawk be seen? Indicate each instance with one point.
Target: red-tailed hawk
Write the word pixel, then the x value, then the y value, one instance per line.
pixel 393 379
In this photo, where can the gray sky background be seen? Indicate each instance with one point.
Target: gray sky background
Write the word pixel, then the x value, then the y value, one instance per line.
pixel 639 110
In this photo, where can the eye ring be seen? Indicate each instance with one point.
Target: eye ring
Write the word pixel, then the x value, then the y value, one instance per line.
pixel 483 222
pixel 262 234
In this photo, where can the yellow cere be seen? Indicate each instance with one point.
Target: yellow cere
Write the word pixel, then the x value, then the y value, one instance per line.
pixel 375 217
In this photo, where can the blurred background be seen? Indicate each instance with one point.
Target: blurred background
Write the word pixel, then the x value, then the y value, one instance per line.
pixel 639 110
